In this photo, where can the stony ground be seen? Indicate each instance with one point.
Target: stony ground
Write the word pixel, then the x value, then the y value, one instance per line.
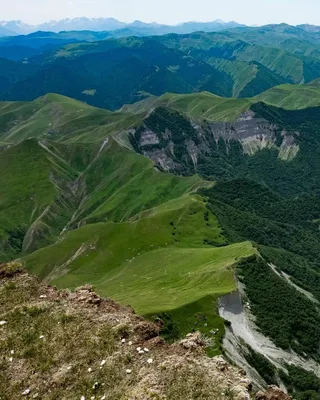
pixel 63 345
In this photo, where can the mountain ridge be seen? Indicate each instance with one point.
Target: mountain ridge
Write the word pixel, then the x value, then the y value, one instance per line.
pixel 110 24
pixel 109 72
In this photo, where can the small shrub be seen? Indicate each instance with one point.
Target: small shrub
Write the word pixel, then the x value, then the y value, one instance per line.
pixel 122 330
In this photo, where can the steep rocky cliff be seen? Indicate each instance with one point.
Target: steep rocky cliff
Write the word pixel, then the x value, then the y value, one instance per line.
pixel 176 143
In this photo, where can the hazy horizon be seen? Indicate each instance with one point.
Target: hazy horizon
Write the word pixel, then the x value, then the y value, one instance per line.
pixel 261 12
pixel 121 20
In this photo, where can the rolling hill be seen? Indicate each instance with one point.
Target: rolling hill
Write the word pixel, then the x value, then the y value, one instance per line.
pixel 84 187
pixel 109 72
pixel 207 106
pixel 292 97
pixel 61 119
pixel 149 66
pixel 159 207
pixel 261 55
pixel 163 252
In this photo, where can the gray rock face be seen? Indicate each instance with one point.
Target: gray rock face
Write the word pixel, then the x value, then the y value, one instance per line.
pixel 253 133
pixel 149 138
pixel 162 159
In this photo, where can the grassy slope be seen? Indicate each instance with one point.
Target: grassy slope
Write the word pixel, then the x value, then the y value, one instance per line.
pixel 27 189
pixel 282 63
pixel 115 243
pixel 205 105
pixel 185 284
pixel 164 250
pixel 59 118
pixel 249 78
pixel 292 97
pixel 241 72
pixel 214 108
pixel 167 228
pixel 234 53
pixel 121 184
pixel 44 185
pixel 182 277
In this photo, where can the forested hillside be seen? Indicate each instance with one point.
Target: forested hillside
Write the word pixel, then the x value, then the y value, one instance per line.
pixel 109 72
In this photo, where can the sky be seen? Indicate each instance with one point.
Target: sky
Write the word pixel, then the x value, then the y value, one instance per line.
pixel 251 12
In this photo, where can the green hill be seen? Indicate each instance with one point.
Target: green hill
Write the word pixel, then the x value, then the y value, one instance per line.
pixel 104 210
pixel 214 108
pixel 292 97
pixel 256 58
pixel 32 180
pixel 59 118
pixel 166 250
pixel 240 63
pixel 122 186
pixel 69 184
pixel 95 73
pixel 204 105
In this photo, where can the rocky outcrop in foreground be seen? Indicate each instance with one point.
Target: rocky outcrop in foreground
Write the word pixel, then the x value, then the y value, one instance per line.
pixel 273 393
pixel 58 344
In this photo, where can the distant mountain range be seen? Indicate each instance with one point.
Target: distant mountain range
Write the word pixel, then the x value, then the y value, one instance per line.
pixel 106 70
pixel 121 29
pixel 9 28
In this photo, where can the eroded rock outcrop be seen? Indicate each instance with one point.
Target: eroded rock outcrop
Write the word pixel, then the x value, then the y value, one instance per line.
pixel 176 143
